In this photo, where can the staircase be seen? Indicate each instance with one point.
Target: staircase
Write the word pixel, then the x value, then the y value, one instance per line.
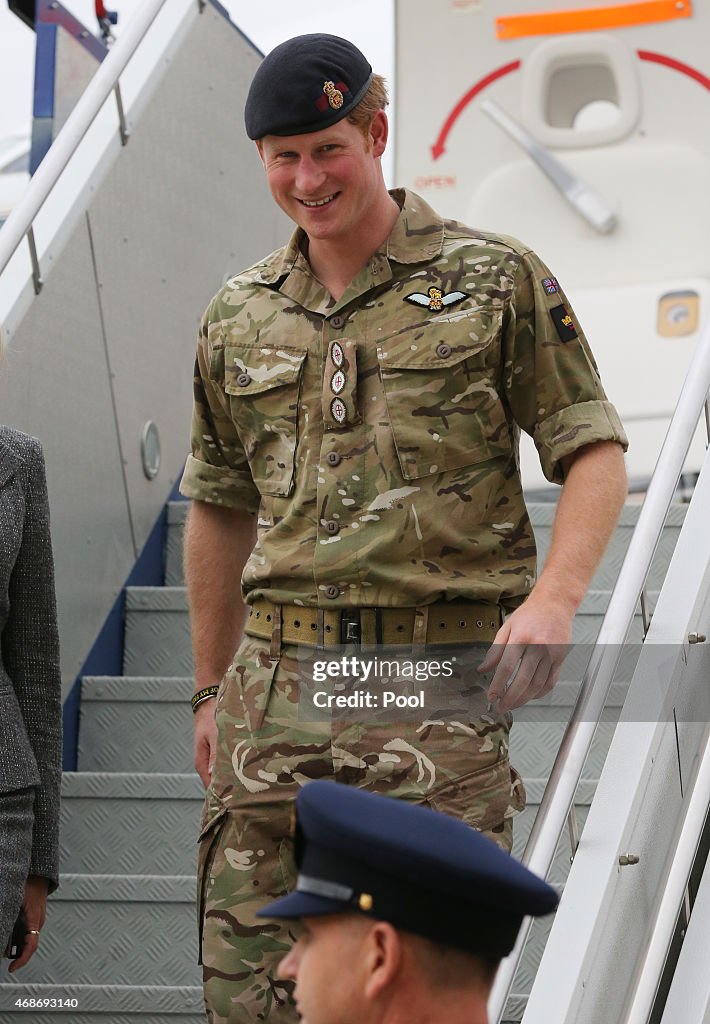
pixel 120 942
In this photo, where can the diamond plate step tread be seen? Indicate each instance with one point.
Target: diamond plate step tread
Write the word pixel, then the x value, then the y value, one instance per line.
pixel 136 688
pixel 147 824
pixel 129 824
pixel 514 1009
pixel 157 637
pixel 113 930
pixel 533 748
pixel 169 599
pixel 132 785
pixel 134 888
pixel 120 1001
pixel 136 724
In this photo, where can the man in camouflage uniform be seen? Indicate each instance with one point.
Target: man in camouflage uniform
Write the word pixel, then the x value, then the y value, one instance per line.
pixel 358 400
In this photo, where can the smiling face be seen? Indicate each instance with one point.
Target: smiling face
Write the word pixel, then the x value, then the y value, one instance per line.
pixel 329 182
pixel 327 964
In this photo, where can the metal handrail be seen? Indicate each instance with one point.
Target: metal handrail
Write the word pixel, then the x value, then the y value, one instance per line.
pixel 19 224
pixel 567 769
pixel 674 890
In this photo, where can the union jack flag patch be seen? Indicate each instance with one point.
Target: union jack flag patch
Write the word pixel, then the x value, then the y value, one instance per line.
pixel 550 285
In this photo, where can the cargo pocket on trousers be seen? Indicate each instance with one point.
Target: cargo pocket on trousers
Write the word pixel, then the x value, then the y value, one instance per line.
pixel 214 818
pixel 252 676
pixel 483 798
pixel 287 863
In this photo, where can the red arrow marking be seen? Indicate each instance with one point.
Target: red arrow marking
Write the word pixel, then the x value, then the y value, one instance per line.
pixel 656 58
pixel 438 148
pixel 670 62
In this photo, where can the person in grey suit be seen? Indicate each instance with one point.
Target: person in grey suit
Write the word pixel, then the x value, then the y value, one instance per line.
pixel 30 693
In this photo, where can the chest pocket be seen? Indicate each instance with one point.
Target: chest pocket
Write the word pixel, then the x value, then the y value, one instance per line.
pixel 263 385
pixel 441 386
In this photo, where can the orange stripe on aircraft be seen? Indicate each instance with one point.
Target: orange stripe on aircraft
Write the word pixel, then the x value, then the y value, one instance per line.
pixel 591 19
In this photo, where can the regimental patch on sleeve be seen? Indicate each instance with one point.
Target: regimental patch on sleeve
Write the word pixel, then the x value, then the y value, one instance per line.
pixel 550 285
pixel 563 323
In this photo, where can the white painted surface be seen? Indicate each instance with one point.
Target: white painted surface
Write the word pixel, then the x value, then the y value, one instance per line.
pixel 588 969
pixel 651 164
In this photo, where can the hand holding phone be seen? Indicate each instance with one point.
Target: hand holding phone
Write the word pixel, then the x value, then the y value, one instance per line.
pixel 16 942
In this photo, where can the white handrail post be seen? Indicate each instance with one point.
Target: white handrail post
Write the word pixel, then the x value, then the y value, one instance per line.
pixel 566 771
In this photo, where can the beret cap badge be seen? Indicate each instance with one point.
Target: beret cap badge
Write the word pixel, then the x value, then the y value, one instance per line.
pixel 335 96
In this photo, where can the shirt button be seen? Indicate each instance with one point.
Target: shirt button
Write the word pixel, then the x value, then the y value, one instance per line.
pixel 337 322
pixel 332 527
pixel 333 459
pixel 332 591
pixel 243 380
pixel 443 351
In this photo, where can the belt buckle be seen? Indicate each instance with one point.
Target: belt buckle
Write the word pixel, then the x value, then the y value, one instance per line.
pixel 350 626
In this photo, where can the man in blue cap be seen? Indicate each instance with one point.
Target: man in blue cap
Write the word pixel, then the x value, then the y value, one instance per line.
pixel 404 912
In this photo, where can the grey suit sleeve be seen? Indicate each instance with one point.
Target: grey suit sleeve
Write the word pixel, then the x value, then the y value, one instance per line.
pixel 31 652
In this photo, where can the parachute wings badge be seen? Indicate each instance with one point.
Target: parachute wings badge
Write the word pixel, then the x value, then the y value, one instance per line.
pixel 435 300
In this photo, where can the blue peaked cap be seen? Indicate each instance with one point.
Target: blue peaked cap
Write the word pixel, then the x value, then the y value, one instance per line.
pixel 400 862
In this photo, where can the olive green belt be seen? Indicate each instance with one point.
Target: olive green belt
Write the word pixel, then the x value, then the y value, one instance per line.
pixel 451 622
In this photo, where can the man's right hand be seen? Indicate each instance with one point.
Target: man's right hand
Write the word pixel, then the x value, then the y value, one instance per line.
pixel 205 740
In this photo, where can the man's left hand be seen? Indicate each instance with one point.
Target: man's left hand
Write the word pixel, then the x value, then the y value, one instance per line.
pixel 528 652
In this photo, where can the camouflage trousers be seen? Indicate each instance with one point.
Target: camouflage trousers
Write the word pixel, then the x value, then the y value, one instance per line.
pixel 266 752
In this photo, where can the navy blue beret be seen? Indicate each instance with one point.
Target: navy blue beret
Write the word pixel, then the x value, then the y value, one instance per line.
pixel 306 84
pixel 422 871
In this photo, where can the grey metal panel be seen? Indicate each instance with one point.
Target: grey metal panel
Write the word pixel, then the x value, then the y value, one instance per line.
pixel 185 205
pixel 108 930
pixel 136 725
pixel 107 1004
pixel 157 632
pixel 54 384
pixel 534 746
pixel 134 824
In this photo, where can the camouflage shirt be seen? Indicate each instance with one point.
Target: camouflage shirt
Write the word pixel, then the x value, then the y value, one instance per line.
pixel 376 437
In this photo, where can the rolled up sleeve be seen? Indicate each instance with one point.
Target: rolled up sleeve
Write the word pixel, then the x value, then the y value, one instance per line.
pixel 217 470
pixel 551 380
